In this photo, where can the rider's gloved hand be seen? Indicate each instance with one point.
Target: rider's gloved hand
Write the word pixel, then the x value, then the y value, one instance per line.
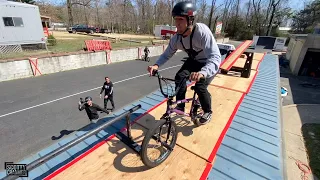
pixel 152 68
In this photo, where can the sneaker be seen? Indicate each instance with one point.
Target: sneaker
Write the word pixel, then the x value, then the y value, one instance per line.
pixel 206 117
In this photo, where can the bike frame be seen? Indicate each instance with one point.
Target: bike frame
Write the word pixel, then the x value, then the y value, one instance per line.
pixel 170 103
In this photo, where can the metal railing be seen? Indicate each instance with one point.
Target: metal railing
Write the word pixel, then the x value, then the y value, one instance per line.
pixel 74 142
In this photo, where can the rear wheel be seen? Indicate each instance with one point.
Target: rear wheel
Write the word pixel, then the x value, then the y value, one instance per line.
pixel 158 143
pixel 142 57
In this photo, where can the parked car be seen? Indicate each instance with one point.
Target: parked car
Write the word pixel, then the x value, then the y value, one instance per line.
pixel 225 49
pixel 82 28
pixel 102 30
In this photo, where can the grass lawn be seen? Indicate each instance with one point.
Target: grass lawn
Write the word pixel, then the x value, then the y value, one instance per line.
pixel 311 134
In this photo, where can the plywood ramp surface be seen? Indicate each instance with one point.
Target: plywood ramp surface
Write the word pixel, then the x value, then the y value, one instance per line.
pixel 234 55
pixel 114 160
pixel 257 57
pixel 233 81
pixel 200 140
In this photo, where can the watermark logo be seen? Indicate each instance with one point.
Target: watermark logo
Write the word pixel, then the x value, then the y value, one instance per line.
pixel 16 169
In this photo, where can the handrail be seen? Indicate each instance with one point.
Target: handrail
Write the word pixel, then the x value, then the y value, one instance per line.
pixel 72 143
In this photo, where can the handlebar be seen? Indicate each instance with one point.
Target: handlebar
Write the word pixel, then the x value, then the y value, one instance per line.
pixel 156 73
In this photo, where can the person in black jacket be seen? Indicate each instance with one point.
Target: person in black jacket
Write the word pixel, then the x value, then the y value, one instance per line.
pixel 91 108
pixel 108 93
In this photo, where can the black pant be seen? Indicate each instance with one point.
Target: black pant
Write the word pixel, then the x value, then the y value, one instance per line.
pixel 106 101
pixel 200 87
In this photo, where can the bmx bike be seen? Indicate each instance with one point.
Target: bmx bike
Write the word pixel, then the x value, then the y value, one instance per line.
pixel 163 143
pixel 143 58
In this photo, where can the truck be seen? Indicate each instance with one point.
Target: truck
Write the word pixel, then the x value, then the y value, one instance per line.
pixel 82 28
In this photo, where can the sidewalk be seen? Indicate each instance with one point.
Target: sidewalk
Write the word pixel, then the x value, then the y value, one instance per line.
pixel 294 116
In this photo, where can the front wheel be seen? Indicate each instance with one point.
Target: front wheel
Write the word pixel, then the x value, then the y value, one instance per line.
pixel 158 143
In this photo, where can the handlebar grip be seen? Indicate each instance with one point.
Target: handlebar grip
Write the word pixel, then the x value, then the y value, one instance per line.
pixel 154 72
pixel 202 79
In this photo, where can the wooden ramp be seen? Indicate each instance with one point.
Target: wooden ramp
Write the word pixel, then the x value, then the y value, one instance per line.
pixel 232 58
pixel 113 160
pixel 257 58
pixel 194 152
pixel 196 147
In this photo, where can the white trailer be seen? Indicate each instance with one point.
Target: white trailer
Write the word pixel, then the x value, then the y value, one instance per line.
pixel 20 23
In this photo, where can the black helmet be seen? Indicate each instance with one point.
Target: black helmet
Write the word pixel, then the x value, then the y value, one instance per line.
pixel 184 8
pixel 88 98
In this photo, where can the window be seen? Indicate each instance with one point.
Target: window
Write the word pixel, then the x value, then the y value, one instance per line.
pixel 18 21
pixel 8 21
pixel 13 21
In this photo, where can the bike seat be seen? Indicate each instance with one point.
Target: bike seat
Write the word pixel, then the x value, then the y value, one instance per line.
pixel 193 87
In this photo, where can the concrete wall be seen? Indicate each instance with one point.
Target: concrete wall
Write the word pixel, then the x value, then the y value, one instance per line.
pixel 295 53
pixel 63 63
pixel 15 70
pixel 39 66
pixel 124 55
pixel 298 49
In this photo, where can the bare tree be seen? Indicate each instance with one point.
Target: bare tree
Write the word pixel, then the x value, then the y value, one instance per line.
pixel 274 5
pixel 213 3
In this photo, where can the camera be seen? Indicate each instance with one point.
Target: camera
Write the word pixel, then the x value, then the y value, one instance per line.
pixel 81 100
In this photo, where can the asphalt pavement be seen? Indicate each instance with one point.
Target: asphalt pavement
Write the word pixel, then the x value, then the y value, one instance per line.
pixel 32 110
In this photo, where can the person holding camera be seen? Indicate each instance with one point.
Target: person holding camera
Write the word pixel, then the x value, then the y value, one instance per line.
pixel 91 108
pixel 107 87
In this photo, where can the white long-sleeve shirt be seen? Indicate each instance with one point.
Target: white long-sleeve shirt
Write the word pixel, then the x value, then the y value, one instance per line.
pixel 203 39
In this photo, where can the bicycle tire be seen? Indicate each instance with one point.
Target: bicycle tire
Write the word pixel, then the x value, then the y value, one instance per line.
pixel 143 153
pixel 195 116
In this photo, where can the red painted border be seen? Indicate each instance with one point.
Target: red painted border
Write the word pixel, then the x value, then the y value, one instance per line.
pixel 225 129
pixel 206 171
pixel 227 88
pixel 218 143
pixel 260 61
pixel 251 83
pixel 58 171
pixel 231 54
pixel 237 57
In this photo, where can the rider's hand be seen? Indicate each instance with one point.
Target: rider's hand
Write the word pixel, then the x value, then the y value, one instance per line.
pixel 106 96
pixel 195 76
pixel 151 68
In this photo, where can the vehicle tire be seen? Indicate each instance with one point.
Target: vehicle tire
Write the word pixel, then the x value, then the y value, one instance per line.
pixel 149 136
pixel 74 31
pixel 91 31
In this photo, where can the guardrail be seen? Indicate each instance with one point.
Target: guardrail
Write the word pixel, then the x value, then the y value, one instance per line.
pixel 74 142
